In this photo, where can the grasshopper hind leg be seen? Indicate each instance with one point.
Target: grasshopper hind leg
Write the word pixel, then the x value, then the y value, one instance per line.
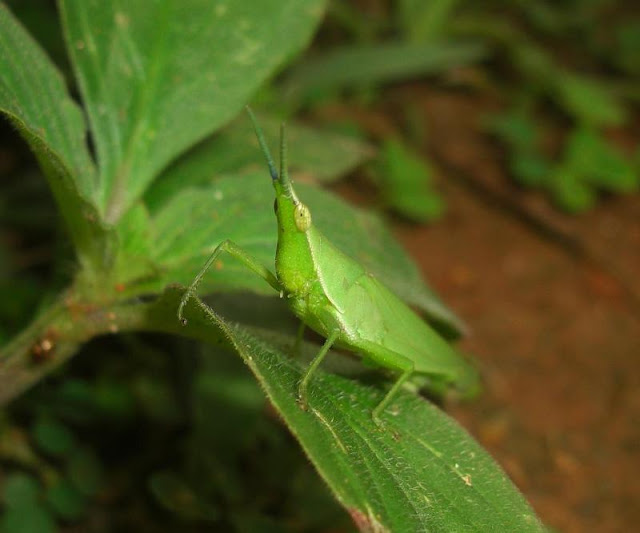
pixel 407 368
pixel 299 337
pixel 390 360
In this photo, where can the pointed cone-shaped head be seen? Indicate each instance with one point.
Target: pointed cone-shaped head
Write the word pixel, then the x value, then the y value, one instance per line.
pixel 291 213
pixel 294 262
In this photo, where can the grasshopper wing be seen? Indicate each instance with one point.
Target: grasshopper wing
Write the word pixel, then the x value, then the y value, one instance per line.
pixel 378 324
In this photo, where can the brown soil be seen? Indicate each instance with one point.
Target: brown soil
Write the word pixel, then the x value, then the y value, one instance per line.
pixel 552 303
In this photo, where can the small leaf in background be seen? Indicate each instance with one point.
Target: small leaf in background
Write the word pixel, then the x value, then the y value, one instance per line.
pixel 19 490
pixel 588 100
pixel 529 168
pixel 628 44
pixel 85 471
pixel 24 513
pixel 156 399
pixel 570 191
pixel 515 128
pixel 357 66
pixel 66 500
pixel 53 437
pixel 113 399
pixel 520 134
pixel 33 518
pixel 599 163
pixel 425 21
pixel 178 497
pixel 407 184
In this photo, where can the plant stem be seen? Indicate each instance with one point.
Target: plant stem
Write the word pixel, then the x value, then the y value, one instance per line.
pixel 58 334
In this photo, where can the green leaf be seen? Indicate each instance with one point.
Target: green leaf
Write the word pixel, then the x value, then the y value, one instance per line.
pixel 627 46
pixel 178 497
pixel 375 64
pixel 32 518
pixel 158 77
pixel 599 163
pixel 53 437
pixel 33 94
pixel 406 180
pixel 590 163
pixel 421 472
pixel 193 223
pixel 134 237
pixel 588 100
pixel 34 98
pixel 425 21
pixel 516 128
pixel 324 155
pixel 19 489
pixel 85 471
pixel 66 501
pixel 530 168
pixel 570 192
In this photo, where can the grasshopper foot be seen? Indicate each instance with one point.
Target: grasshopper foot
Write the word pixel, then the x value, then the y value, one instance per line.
pixel 302 402
pixel 377 421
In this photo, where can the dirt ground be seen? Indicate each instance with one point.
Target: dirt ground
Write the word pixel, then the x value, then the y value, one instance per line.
pixel 552 302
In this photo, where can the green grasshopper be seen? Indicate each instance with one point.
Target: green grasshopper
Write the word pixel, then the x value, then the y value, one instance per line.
pixel 336 297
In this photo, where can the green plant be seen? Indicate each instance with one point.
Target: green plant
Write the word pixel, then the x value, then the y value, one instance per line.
pixel 546 94
pixel 406 183
pixel 588 163
pixel 151 205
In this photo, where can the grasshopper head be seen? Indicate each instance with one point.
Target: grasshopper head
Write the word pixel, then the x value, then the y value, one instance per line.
pixel 294 261
pixel 293 215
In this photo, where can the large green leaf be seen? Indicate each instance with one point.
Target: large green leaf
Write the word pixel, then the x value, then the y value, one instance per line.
pixel 195 221
pixel 156 77
pixel 34 98
pixel 324 155
pixel 421 472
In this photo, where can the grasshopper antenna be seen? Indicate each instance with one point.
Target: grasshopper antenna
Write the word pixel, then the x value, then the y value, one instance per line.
pixel 263 145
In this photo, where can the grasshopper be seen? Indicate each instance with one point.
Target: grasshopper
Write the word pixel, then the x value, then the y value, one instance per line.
pixel 339 299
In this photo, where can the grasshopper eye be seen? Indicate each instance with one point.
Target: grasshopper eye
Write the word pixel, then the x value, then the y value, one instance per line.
pixel 275 206
pixel 302 217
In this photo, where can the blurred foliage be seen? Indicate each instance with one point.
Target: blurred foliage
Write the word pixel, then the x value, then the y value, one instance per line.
pixel 149 434
pixel 406 183
pixel 152 437
pixel 562 67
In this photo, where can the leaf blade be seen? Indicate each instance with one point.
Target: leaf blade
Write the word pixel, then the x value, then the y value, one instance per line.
pixel 150 94
pixel 34 98
pixel 422 472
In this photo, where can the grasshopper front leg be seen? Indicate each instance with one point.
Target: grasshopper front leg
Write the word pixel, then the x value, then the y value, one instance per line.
pixel 304 382
pixel 237 252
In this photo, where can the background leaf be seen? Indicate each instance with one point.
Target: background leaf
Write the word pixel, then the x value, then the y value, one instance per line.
pixel 324 155
pixel 194 222
pixel 407 183
pixel 374 64
pixel 158 77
